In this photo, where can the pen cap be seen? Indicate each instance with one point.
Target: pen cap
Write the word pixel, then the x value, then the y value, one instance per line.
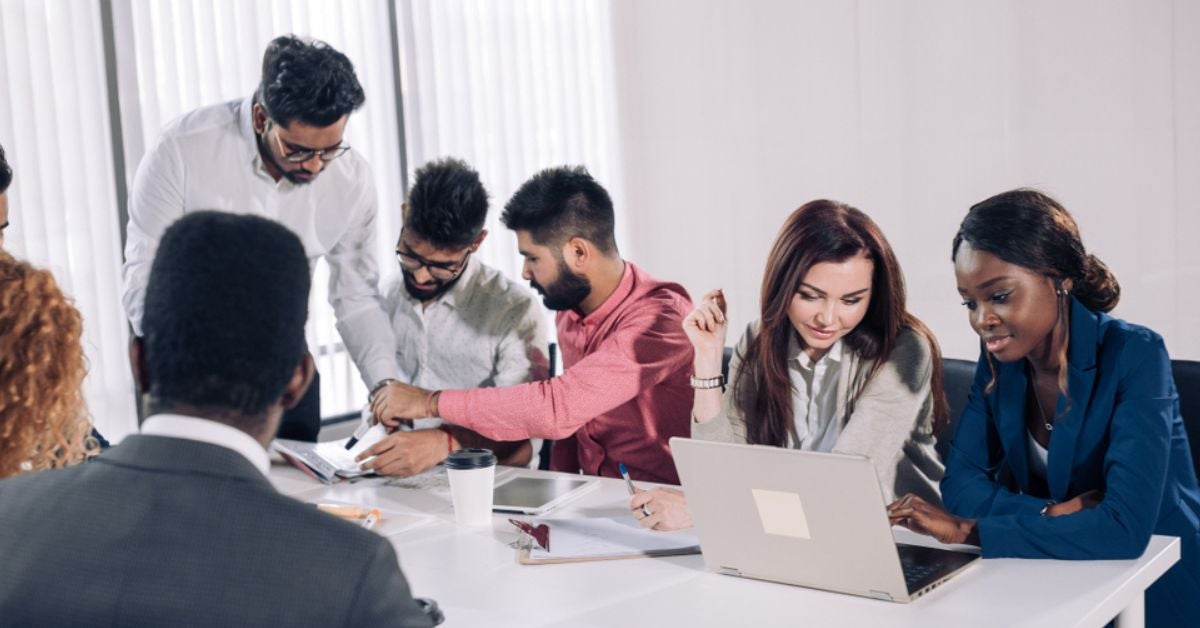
pixel 471 459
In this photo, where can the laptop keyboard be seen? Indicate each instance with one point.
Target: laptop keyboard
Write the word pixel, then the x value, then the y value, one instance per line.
pixel 924 566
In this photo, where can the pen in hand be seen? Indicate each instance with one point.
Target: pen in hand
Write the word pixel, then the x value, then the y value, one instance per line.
pixel 364 425
pixel 629 483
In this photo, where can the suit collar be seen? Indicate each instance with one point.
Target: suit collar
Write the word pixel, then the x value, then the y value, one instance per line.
pixel 207 431
pixel 177 455
pixel 1069 413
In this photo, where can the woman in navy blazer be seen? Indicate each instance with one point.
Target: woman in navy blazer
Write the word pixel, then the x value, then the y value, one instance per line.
pixel 1071 445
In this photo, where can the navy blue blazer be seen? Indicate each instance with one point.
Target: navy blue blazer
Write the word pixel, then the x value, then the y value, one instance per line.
pixel 1120 432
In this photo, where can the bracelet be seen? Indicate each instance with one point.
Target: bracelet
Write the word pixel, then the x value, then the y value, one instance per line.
pixel 706 383
pixel 429 413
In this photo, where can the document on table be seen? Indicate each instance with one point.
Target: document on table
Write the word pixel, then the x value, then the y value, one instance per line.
pixel 327 460
pixel 583 539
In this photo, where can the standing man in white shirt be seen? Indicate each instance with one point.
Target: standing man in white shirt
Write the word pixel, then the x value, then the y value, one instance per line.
pixel 458 322
pixel 279 154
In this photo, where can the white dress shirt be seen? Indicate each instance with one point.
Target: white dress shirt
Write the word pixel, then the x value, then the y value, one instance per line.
pixel 206 431
pixel 209 159
pixel 486 330
pixel 814 402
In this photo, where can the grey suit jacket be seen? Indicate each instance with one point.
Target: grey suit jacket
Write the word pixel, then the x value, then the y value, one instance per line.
pixel 169 532
pixel 891 421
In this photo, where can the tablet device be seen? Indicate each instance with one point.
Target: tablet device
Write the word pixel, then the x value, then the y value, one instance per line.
pixel 538 495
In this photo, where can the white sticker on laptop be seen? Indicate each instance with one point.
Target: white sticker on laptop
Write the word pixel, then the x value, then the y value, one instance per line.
pixel 781 513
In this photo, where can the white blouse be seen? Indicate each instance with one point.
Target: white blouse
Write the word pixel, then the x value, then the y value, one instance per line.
pixel 814 400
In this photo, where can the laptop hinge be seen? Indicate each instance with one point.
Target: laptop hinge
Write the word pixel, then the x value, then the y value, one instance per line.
pixel 880 595
pixel 729 571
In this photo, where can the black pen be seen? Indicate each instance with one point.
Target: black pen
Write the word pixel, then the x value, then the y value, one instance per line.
pixel 363 427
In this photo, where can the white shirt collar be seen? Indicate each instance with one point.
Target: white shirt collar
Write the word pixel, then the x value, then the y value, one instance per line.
pixel 796 353
pixel 460 290
pixel 212 432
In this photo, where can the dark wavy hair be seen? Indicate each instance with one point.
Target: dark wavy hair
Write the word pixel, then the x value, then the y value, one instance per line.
pixel 447 205
pixel 561 203
pixel 823 231
pixel 225 310
pixel 307 81
pixel 1028 228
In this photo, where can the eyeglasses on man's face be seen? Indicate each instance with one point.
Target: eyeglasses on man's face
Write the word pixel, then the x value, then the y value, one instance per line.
pixel 439 270
pixel 299 154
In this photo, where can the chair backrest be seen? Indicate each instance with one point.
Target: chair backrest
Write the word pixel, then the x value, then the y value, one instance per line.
pixel 957 376
pixel 1187 381
pixel 547 444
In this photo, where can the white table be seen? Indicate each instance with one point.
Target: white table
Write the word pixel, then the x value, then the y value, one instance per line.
pixel 474 576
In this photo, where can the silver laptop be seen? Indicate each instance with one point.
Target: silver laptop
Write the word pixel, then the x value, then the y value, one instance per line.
pixel 812 519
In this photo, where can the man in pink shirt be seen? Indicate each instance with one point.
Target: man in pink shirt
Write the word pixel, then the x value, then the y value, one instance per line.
pixel 624 391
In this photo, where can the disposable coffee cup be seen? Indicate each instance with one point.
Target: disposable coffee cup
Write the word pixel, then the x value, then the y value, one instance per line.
pixel 472 474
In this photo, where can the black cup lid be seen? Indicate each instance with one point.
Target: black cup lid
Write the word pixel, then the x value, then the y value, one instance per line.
pixel 471 459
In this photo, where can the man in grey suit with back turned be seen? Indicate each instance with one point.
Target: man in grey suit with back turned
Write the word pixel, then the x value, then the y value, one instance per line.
pixel 178 526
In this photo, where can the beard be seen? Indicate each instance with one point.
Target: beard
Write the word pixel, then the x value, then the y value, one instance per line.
pixel 428 294
pixel 567 292
pixel 299 177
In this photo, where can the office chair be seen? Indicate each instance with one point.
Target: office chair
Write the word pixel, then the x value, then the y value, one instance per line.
pixel 956 376
pixel 547 444
pixel 1187 381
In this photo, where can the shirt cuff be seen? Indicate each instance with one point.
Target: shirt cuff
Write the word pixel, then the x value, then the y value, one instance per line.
pixel 452 406
pixel 378 371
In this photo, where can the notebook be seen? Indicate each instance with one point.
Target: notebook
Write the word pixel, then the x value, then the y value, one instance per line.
pixel 329 460
pixel 812 519
pixel 549 541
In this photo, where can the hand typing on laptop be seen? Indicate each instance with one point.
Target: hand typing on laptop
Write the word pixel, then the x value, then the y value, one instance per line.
pixel 922 517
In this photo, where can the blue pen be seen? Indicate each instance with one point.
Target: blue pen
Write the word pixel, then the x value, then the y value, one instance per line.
pixel 629 483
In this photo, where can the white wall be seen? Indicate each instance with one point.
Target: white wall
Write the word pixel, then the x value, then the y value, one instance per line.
pixel 734 113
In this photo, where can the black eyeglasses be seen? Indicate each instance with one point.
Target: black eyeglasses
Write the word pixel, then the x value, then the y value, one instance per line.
pixel 439 270
pixel 304 154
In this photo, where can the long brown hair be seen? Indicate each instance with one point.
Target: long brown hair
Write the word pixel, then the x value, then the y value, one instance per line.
pixel 822 231
pixel 43 418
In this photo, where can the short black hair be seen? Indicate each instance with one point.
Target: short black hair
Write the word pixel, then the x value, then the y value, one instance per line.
pixel 5 172
pixel 225 310
pixel 307 81
pixel 447 205
pixel 561 203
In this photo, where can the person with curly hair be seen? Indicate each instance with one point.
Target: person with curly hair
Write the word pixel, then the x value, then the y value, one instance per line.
pixel 43 418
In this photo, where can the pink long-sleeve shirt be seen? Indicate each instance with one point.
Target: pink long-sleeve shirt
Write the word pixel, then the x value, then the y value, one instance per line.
pixel 623 394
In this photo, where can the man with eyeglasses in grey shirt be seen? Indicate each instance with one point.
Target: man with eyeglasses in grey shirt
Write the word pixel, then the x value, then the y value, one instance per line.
pixel 279 154
pixel 458 322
